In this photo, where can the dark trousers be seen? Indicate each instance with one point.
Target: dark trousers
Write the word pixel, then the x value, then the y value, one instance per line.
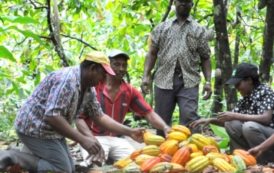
pixel 53 153
pixel 187 99
pixel 246 135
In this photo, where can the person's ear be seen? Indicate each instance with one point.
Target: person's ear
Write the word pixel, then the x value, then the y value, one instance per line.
pixel 92 67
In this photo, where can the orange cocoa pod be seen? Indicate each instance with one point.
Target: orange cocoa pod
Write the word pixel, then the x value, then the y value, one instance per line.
pixel 135 154
pixel 169 147
pixel 210 148
pixel 148 164
pixel 248 158
pixel 165 157
pixel 181 156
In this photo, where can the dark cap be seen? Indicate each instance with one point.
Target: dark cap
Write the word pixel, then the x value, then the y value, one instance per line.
pixel 115 53
pixel 242 71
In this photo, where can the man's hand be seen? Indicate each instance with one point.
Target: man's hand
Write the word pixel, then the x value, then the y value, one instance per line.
pixel 91 145
pixel 137 134
pixel 207 91
pixel 255 151
pixel 146 84
pixel 166 130
pixel 226 116
pixel 201 121
pixel 98 158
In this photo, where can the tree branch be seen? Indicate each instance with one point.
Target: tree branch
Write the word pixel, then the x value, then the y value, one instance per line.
pixel 167 10
pixel 152 23
pixel 54 28
pixel 262 4
pixel 195 8
pixel 35 6
pixel 82 51
pixel 80 40
pixel 206 16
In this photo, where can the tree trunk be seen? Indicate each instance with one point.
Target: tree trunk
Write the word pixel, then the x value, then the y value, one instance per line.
pixel 267 57
pixel 237 40
pixel 224 56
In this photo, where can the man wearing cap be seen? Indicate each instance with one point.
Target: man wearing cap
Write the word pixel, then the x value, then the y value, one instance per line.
pixel 117 98
pixel 43 122
pixel 252 120
pixel 178 52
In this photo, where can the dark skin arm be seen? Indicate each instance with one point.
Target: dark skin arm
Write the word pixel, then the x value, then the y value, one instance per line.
pixel 149 65
pixel 60 125
pixel 264 118
pixel 84 129
pixel 113 126
pixel 206 68
pixel 258 150
pixel 157 122
pixel 206 121
pixel 222 117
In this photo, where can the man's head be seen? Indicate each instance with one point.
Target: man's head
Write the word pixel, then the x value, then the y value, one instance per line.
pixel 94 67
pixel 244 78
pixel 118 61
pixel 183 7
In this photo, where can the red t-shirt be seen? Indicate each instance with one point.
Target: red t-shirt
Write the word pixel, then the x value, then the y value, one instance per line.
pixel 127 99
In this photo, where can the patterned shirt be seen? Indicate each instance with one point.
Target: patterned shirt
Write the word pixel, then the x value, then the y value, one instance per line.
pixel 127 99
pixel 187 44
pixel 57 95
pixel 260 100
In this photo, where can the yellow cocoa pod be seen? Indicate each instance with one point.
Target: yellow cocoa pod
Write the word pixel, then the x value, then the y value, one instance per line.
pixel 122 163
pixel 223 165
pixel 197 164
pixel 151 150
pixel 141 158
pixel 182 129
pixel 176 135
pixel 161 167
pixel 200 140
pixel 195 154
pixel 152 139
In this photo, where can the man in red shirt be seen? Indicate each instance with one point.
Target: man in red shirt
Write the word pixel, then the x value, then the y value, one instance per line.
pixel 118 98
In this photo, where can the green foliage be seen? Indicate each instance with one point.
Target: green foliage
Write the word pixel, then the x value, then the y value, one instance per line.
pixel 27 56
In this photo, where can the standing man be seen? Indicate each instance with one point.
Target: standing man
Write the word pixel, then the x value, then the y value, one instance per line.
pixel 43 122
pixel 181 49
pixel 117 98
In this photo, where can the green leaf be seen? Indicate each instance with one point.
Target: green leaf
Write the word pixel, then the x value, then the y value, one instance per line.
pixel 28 33
pixel 25 20
pixel 20 19
pixel 5 53
pixel 221 132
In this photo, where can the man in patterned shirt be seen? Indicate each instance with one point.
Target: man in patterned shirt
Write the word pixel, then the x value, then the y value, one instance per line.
pixel 181 49
pixel 251 122
pixel 117 98
pixel 44 120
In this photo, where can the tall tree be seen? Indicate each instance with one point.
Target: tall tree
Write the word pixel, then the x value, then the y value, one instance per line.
pixel 267 55
pixel 223 51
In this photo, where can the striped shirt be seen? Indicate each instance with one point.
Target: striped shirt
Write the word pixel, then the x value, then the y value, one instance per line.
pixel 127 99
pixel 186 44
pixel 57 95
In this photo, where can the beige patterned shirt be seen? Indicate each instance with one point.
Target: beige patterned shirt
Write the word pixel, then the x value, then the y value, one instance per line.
pixel 187 43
